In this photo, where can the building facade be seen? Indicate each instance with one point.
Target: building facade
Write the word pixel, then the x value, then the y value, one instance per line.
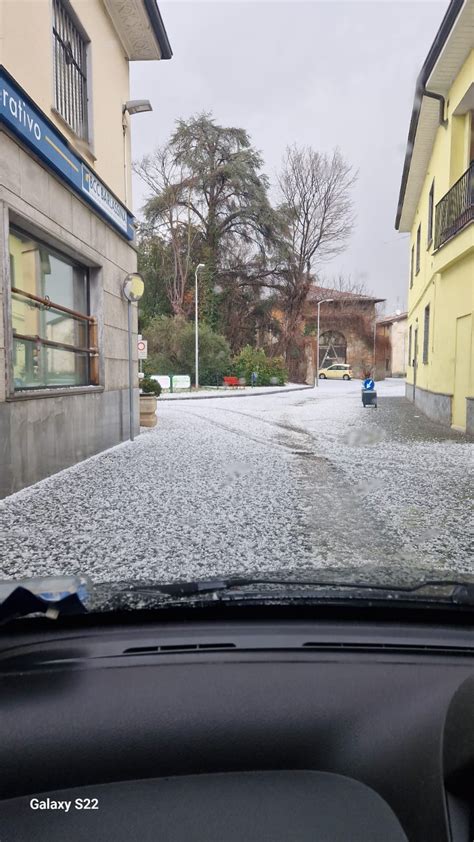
pixel 66 227
pixel 347 331
pixel 436 207
pixel 392 345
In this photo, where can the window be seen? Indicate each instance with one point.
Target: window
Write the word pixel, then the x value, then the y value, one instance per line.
pixel 412 265
pixel 52 329
pixel 418 248
pixel 70 70
pixel 409 344
pixel 430 214
pixel 426 334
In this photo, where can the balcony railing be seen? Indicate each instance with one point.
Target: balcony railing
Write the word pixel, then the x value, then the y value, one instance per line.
pixel 456 208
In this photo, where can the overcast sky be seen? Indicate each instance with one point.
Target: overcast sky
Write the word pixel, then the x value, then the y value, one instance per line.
pixel 320 73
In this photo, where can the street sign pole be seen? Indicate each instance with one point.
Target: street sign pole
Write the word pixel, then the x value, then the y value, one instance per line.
pixel 130 369
pixel 196 326
pixel 317 349
pixel 132 291
pixel 196 334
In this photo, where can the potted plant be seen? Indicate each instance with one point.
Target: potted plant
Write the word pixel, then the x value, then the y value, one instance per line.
pixel 150 390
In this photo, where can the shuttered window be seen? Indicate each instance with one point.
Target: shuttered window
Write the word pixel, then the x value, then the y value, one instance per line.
pixel 430 214
pixel 418 249
pixel 426 334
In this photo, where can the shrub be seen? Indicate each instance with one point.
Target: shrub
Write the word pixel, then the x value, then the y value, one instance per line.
pixel 171 350
pixel 268 369
pixel 149 386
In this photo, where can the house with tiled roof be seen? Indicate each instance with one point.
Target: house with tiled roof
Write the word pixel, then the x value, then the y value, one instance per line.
pixel 392 344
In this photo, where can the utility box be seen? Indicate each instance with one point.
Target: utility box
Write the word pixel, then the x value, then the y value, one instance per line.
pixel 369 397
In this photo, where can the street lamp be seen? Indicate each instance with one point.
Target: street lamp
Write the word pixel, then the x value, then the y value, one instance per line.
pixel 133 289
pixel 324 301
pixel 196 348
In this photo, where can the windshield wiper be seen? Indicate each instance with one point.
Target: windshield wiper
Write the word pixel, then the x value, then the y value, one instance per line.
pixel 450 590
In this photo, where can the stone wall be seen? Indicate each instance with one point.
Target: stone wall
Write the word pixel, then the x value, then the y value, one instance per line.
pixel 470 416
pixel 72 424
pixel 434 405
pixel 39 437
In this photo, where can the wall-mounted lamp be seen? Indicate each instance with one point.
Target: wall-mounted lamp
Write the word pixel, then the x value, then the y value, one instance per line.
pixel 133 106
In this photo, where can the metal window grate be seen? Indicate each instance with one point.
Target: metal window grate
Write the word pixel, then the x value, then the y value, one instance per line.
pixel 456 208
pixel 70 70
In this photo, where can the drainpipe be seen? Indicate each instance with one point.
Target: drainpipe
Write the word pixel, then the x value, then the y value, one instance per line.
pixel 124 128
pixel 442 105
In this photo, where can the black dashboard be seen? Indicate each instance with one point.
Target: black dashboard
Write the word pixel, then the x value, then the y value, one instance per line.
pixel 303 730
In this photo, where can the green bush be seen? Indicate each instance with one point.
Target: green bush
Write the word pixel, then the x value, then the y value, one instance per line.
pixel 268 369
pixel 171 350
pixel 148 386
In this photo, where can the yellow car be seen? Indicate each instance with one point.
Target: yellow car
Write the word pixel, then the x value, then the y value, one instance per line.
pixel 338 371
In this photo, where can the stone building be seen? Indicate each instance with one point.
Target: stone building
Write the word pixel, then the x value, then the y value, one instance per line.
pixel 347 331
pixel 391 350
pixel 66 228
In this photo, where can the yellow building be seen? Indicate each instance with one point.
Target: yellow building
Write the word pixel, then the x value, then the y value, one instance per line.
pixel 436 207
pixel 66 226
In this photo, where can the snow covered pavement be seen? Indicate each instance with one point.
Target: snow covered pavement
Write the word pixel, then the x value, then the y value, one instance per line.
pixel 291 482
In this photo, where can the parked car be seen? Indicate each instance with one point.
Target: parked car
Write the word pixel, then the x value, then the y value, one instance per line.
pixel 338 371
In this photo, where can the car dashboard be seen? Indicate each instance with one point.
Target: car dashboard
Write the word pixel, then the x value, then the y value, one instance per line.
pixel 328 730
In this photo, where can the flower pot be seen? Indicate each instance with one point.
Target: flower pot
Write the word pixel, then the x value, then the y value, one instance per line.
pixel 148 411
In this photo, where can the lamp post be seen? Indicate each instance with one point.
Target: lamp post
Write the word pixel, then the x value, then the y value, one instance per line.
pixel 133 288
pixel 196 318
pixel 374 355
pixel 324 301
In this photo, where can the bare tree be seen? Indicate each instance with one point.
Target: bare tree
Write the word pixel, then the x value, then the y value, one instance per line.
pixel 348 284
pixel 172 219
pixel 317 213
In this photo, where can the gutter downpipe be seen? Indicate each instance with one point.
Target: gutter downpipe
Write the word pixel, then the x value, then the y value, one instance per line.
pixel 442 105
pixel 420 93
pixel 441 37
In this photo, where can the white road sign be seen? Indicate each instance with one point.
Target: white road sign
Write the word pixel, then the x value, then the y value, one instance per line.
pixel 181 381
pixel 142 346
pixel 162 379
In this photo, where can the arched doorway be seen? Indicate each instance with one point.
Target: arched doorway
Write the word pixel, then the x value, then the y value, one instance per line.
pixel 332 348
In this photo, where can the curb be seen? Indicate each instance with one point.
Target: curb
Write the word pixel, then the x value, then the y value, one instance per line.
pixel 234 395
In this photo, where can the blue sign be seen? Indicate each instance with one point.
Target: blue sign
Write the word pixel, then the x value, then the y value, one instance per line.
pixel 23 118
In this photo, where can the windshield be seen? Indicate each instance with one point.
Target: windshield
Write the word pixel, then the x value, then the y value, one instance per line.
pixel 237 293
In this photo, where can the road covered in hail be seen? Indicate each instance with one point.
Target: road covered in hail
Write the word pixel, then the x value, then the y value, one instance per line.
pixel 286 483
